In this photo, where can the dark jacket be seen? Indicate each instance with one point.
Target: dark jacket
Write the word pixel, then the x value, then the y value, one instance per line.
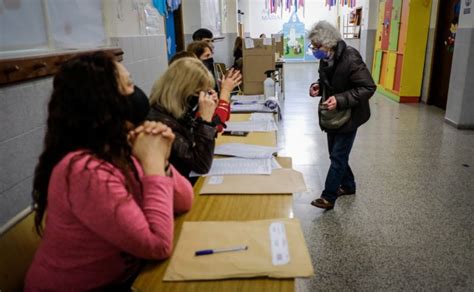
pixel 347 78
pixel 193 146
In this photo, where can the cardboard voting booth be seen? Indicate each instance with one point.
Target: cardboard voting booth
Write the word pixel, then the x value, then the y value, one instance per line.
pixel 258 58
pixel 273 248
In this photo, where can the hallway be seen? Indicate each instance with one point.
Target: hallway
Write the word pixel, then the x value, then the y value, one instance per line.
pixel 411 224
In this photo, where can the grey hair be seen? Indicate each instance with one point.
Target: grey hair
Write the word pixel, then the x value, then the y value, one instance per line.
pixel 325 34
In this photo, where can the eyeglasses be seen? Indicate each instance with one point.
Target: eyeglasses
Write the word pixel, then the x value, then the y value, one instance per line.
pixel 314 47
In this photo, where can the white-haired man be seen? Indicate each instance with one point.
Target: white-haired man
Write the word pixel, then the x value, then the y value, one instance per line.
pixel 345 85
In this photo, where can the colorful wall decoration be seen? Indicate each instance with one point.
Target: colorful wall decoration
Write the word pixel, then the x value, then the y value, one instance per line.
pixel 349 3
pixel 274 5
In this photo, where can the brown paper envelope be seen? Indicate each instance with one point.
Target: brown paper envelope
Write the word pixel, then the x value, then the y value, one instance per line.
pixel 281 181
pixel 254 262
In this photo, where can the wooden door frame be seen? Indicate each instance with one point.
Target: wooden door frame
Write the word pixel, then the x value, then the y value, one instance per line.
pixel 179 29
pixel 429 99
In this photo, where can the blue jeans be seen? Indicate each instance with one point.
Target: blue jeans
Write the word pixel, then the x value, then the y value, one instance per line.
pixel 340 173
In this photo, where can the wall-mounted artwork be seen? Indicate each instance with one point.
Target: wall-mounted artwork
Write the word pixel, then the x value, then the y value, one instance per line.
pixel 294 38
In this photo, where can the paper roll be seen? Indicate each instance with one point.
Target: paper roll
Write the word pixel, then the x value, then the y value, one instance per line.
pixel 271 102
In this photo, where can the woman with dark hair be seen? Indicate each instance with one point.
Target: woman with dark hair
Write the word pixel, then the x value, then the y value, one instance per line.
pixel 109 191
pixel 238 54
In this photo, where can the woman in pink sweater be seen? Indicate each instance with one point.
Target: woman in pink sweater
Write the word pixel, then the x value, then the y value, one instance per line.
pixel 109 192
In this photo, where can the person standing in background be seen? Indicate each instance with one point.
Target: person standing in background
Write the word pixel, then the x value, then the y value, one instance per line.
pixel 346 85
pixel 238 54
pixel 205 35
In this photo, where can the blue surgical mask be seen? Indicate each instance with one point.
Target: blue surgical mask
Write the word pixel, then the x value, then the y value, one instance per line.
pixel 320 54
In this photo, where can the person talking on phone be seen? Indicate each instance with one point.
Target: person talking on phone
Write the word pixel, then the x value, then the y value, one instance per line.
pixel 183 90
pixel 203 51
pixel 345 86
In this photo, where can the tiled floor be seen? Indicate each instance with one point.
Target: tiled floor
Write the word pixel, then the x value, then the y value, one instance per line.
pixel 411 225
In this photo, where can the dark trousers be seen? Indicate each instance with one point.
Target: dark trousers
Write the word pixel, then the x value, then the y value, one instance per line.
pixel 340 173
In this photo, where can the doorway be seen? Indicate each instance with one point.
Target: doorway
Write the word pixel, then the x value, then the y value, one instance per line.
pixel 445 35
pixel 174 31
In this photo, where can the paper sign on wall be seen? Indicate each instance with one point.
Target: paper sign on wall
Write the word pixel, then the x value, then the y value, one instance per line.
pixel 249 43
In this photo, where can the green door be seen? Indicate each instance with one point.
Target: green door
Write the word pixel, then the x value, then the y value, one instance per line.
pixel 377 66
pixel 395 24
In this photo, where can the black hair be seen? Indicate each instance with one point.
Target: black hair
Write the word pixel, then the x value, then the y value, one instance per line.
pixel 202 33
pixel 86 112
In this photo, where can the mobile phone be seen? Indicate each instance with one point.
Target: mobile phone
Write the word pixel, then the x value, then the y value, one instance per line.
pixel 236 133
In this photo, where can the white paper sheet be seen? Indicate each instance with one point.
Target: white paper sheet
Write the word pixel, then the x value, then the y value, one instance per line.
pixel 251 107
pixel 277 37
pixel 216 180
pixel 275 164
pixel 252 126
pixel 249 43
pixel 244 98
pixel 279 244
pixel 267 41
pixel 262 117
pixel 245 150
pixel 236 166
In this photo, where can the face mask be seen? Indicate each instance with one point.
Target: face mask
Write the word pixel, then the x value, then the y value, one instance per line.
pixel 209 63
pixel 320 54
pixel 139 106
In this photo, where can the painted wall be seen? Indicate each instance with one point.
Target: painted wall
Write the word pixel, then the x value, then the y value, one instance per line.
pixel 460 107
pixel 144 55
pixel 369 31
pixel 191 16
pixel 23 112
pixel 193 20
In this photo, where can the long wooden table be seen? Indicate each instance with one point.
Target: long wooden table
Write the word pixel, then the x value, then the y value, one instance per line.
pixel 236 207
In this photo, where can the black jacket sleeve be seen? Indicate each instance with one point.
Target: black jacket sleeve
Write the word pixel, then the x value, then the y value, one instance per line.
pixel 360 79
pixel 198 155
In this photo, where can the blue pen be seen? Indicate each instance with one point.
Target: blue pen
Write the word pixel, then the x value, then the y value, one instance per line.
pixel 218 250
pixel 244 102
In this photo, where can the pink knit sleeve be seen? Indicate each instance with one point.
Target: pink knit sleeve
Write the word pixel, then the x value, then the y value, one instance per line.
pixel 100 200
pixel 183 192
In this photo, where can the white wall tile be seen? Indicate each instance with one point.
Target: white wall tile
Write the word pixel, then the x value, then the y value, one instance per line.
pixel 19 156
pixel 15 200
pixel 125 44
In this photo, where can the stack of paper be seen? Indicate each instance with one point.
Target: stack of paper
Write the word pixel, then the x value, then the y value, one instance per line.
pixel 282 181
pixel 252 126
pixel 250 107
pixel 239 166
pixel 245 150
pixel 247 98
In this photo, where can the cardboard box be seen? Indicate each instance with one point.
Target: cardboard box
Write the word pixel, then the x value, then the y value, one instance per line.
pixel 278 43
pixel 257 60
